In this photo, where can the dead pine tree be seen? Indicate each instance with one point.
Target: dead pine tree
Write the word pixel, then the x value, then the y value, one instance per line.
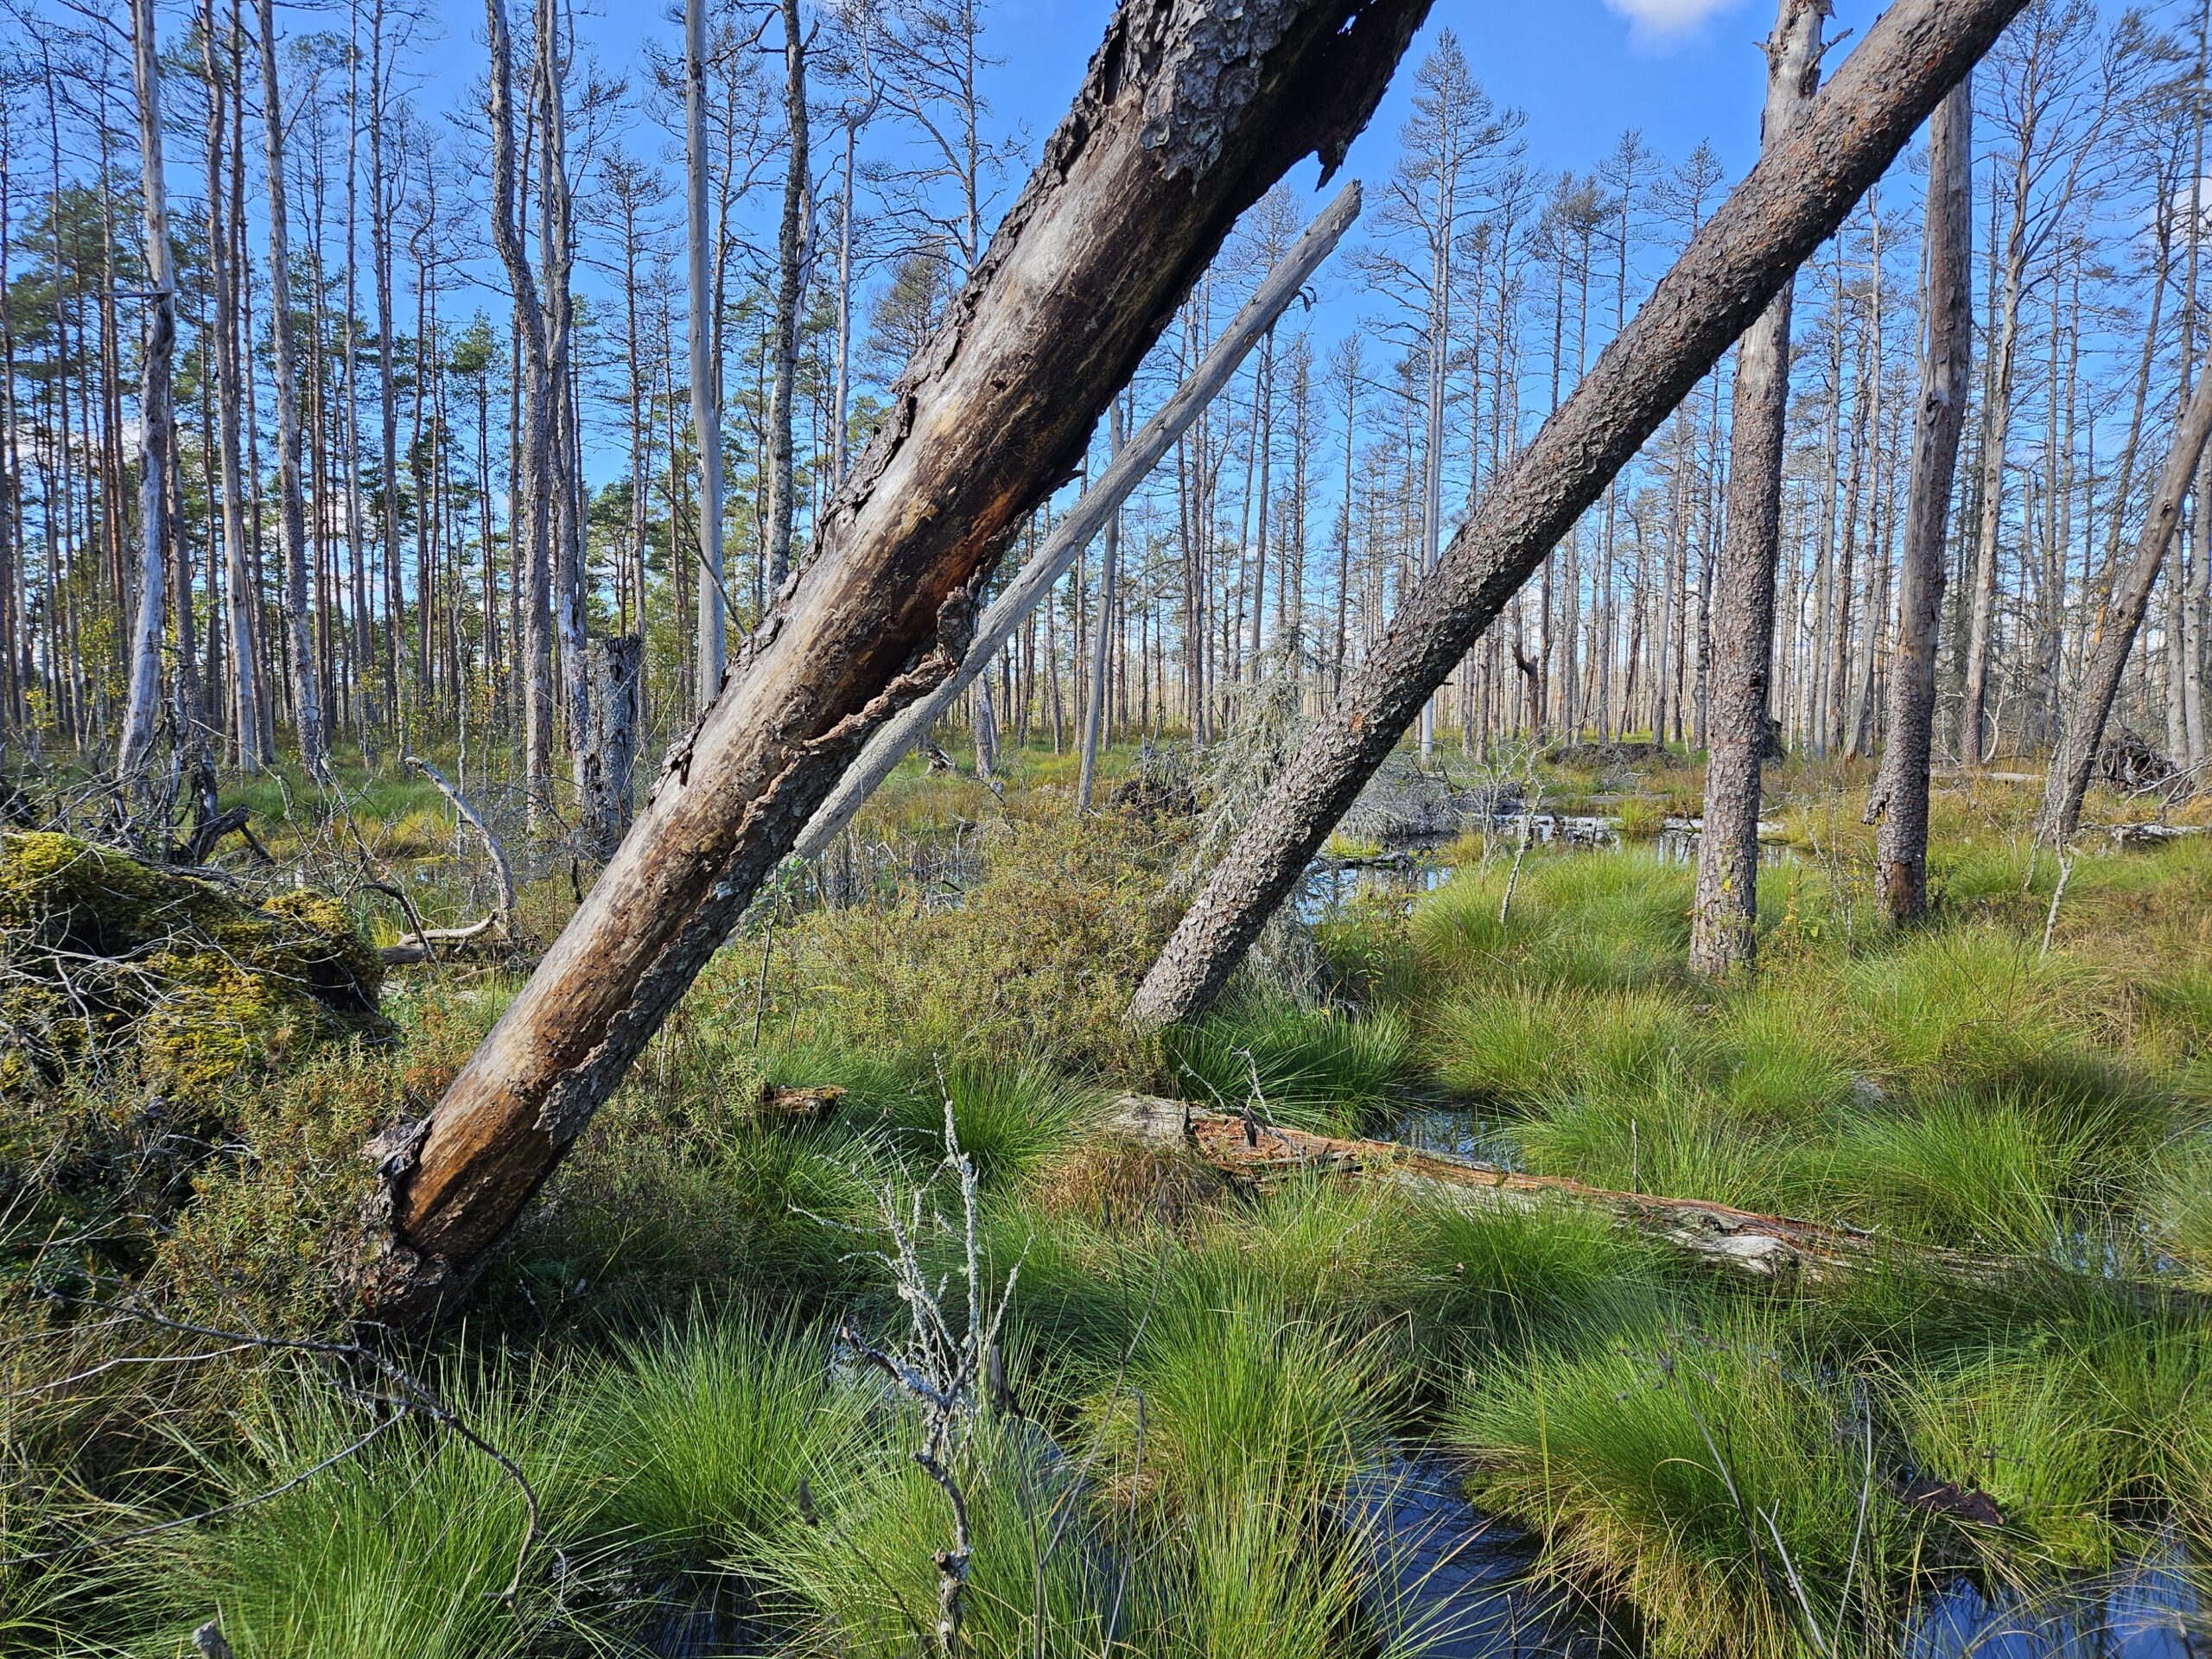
pixel 1724 922
pixel 2068 781
pixel 1735 263
pixel 1899 803
pixel 157 419
pixel 291 507
pixel 1190 111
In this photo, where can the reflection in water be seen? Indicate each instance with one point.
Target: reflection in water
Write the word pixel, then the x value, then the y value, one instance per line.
pixel 1451 1583
pixel 1329 884
pixel 1454 1583
pixel 2155 1610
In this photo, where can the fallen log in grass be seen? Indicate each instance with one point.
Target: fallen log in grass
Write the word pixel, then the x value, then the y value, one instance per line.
pixel 1773 1248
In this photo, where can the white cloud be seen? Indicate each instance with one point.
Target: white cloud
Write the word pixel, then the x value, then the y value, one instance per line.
pixel 1657 22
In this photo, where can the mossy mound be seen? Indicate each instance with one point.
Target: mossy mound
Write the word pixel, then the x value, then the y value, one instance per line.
pixel 107 963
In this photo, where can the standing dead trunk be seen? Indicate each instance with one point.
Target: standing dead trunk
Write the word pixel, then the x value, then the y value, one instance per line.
pixel 610 747
pixel 2069 779
pixel 1191 109
pixel 706 373
pixel 1796 196
pixel 291 509
pixel 157 418
pixel 1067 539
pixel 1724 926
pixel 1094 707
pixel 791 271
pixel 239 598
pixel 1899 803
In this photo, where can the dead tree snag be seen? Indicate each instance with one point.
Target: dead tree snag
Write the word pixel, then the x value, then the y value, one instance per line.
pixel 1191 109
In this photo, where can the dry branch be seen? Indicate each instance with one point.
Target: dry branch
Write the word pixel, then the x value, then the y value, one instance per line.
pixel 1796 197
pixel 1190 111
pixel 474 820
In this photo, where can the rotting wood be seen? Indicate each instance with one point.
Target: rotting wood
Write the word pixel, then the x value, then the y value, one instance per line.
pixel 1190 111
pixel 1796 195
pixel 1130 466
pixel 1771 1247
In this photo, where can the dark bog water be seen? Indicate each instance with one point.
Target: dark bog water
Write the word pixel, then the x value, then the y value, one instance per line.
pixel 1452 1583
pixel 2152 1610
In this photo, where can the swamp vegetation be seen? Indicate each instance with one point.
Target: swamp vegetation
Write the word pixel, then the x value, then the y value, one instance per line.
pixel 658 1431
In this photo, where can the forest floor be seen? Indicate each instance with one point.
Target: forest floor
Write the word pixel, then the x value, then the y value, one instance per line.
pixel 1325 1418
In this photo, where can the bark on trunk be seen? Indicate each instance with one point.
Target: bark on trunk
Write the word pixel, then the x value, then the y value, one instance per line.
pixel 1190 111
pixel 157 421
pixel 1724 925
pixel 2068 778
pixel 1795 197
pixel 610 747
pixel 706 374
pixel 240 600
pixel 791 260
pixel 1094 707
pixel 1899 802
pixel 307 697
pixel 899 735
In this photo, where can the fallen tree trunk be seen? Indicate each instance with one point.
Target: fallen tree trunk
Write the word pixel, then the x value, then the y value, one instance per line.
pixel 1798 193
pixel 1720 1235
pixel 1189 111
pixel 1072 534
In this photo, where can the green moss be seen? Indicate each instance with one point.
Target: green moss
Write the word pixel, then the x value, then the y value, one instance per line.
pixel 116 960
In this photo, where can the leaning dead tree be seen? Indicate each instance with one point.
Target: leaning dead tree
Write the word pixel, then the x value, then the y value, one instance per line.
pixel 1797 195
pixel 1132 461
pixel 1190 110
pixel 2068 778
pixel 1900 798
pixel 1724 922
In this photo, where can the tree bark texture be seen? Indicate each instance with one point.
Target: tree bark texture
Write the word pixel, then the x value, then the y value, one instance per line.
pixel 2068 780
pixel 609 751
pixel 705 376
pixel 1191 109
pixel 791 271
pixel 157 421
pixel 1094 704
pixel 1723 921
pixel 1740 259
pixel 1064 544
pixel 1899 803
pixel 291 509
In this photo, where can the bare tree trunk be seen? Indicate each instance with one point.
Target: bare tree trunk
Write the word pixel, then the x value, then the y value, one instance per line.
pixel 2069 779
pixel 1191 109
pixel 1899 802
pixel 237 571
pixel 791 271
pixel 157 418
pixel 1796 196
pixel 1067 538
pixel 610 744
pixel 1724 926
pixel 1094 707
pixel 706 373
pixel 306 697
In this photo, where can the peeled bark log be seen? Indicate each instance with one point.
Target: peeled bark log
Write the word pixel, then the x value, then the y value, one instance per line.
pixel 1899 803
pixel 1191 109
pixel 1796 195
pixel 1128 469
pixel 1723 923
pixel 2068 780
